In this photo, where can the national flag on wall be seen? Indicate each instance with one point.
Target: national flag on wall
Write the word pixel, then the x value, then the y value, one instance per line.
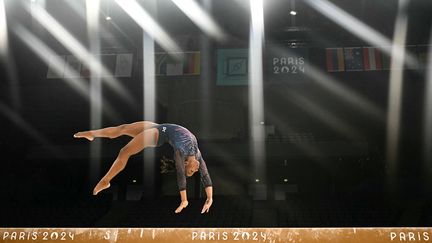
pixel 68 66
pixel 85 71
pixel 187 63
pixel 353 59
pixel 193 66
pixel 335 60
pixel 372 59
pixel 107 60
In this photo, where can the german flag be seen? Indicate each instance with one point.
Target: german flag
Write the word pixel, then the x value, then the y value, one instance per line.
pixel 192 63
pixel 187 63
pixel 335 60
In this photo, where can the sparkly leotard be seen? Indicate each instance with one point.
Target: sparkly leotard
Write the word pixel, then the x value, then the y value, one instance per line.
pixel 185 144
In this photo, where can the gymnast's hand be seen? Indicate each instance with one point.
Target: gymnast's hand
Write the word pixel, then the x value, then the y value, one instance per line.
pixel 207 205
pixel 183 204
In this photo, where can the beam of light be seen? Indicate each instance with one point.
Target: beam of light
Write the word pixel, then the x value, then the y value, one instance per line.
pixel 311 150
pixel 149 82
pixel 112 40
pixel 361 30
pixel 8 60
pixel 205 80
pixel 256 95
pixel 427 128
pixel 149 113
pixel 35 27
pixel 78 8
pixel 75 47
pixel 50 57
pixel 395 93
pixel 42 3
pixel 3 31
pixel 192 9
pixel 18 121
pixel 149 25
pixel 38 3
pixel 338 89
pixel 149 102
pixel 107 35
pixel 92 11
pixel 348 94
pixel 326 116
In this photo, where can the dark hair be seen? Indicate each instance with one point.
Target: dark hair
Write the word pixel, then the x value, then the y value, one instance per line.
pixel 167 165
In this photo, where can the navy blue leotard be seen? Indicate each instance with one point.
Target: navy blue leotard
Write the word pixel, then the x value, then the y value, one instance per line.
pixel 185 144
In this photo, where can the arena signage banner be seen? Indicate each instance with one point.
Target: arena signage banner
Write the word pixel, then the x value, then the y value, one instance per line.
pixel 229 235
pixel 286 63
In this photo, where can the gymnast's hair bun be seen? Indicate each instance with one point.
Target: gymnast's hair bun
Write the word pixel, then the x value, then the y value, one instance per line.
pixel 167 165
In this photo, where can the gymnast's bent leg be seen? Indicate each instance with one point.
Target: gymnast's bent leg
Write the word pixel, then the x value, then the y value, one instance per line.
pixel 147 138
pixel 131 130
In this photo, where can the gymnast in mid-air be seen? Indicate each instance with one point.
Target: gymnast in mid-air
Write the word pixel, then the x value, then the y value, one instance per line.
pixel 187 156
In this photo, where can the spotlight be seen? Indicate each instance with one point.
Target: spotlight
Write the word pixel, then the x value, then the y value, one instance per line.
pixel 149 25
pixel 257 180
pixel 134 181
pixel 60 33
pixel 293 12
pixel 285 180
pixel 108 18
pixel 256 95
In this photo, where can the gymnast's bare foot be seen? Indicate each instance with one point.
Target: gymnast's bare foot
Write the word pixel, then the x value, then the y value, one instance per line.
pixel 102 185
pixel 86 135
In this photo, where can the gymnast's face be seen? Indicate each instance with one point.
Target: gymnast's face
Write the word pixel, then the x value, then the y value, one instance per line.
pixel 191 166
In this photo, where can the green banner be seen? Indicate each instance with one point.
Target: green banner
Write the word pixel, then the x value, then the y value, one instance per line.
pixel 232 67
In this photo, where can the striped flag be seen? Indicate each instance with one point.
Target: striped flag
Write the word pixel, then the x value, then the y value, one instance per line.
pixel 193 64
pixel 108 62
pixel 188 64
pixel 335 60
pixel 353 59
pixel 372 59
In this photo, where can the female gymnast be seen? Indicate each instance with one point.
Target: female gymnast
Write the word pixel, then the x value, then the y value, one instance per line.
pixel 187 156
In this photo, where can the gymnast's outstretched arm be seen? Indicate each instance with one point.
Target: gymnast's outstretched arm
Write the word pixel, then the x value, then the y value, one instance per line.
pixel 205 178
pixel 181 180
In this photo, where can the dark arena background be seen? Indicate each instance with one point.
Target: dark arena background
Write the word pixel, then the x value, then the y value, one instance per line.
pixel 309 113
